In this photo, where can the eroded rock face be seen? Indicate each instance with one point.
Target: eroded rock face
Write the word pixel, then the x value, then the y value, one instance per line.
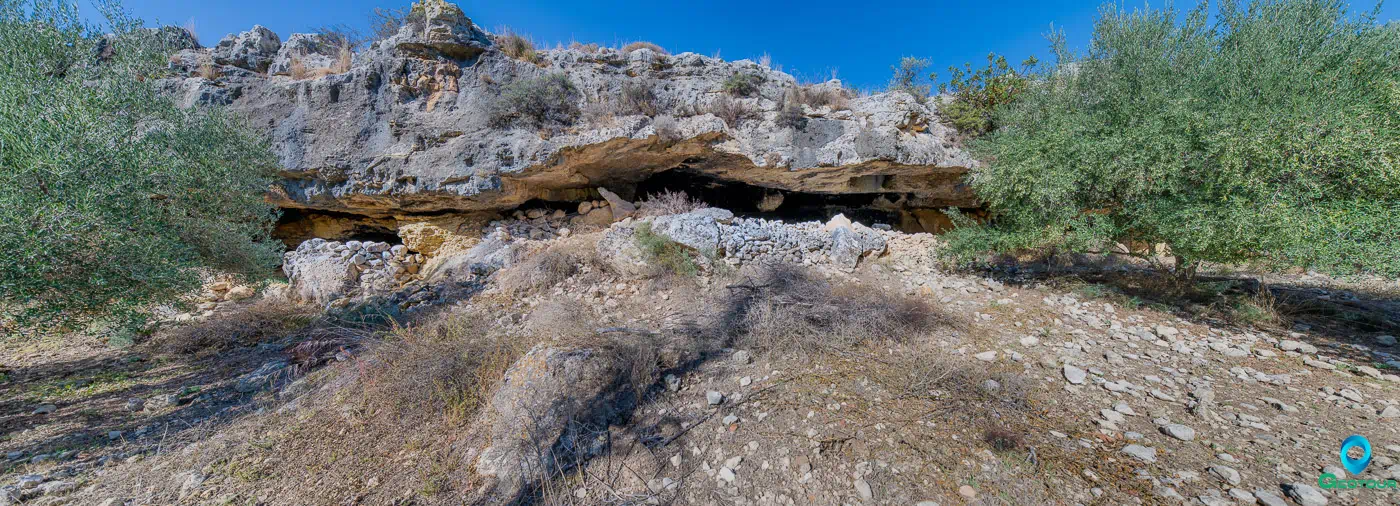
pixel 406 129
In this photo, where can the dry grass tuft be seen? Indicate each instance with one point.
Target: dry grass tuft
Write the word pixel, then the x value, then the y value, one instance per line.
pixel 1001 440
pixel 667 128
pixel 669 202
pixel 297 69
pixel 545 268
pixel 443 371
pixel 262 321
pixel 518 47
pixel 590 48
pixel 206 69
pixel 818 97
pixel 784 309
pixel 641 44
pixel 344 58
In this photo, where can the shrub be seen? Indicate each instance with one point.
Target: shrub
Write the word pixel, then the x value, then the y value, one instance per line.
pixel 741 84
pixel 262 321
pixel 667 129
pixel 974 94
pixel 385 23
pixel 590 48
pixel 206 69
pixel 731 111
pixel 1271 135
pixel 549 101
pixel 790 115
pixel 638 98
pixel 112 196
pixel 641 44
pixel 817 97
pixel 908 77
pixel 517 47
pixel 669 202
pixel 669 256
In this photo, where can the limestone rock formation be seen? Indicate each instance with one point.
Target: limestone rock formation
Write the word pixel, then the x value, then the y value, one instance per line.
pixel 408 129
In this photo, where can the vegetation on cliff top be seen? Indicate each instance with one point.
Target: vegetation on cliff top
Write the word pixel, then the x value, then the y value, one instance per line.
pixel 111 195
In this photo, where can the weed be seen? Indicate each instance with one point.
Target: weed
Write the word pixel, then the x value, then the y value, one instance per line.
pixel 741 84
pixel 668 255
pixel 731 111
pixel 518 47
pixel 669 202
pixel 641 44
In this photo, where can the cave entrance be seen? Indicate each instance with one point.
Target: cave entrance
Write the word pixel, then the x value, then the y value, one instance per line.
pixel 758 202
pixel 298 225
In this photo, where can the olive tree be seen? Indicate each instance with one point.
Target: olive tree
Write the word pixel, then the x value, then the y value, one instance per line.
pixel 1269 135
pixel 111 195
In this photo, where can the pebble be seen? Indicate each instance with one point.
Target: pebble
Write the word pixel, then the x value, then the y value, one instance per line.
pixel 1141 452
pixel 714 398
pixel 1179 431
pixel 986 356
pixel 1075 375
pixel 45 409
pixel 967 491
pixel 864 492
pixel 1226 473
pixel 743 357
pixel 1304 494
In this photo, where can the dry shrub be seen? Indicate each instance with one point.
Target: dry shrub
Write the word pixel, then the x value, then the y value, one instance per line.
pixel 1001 440
pixel 667 129
pixel 545 268
pixel 443 371
pixel 825 96
pixel 344 58
pixel 589 48
pixel 261 321
pixel 641 44
pixel 638 98
pixel 731 111
pixel 669 202
pixel 206 69
pixel 784 309
pixel 297 69
pixel 518 47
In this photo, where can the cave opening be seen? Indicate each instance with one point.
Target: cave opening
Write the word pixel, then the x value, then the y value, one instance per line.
pixel 758 202
pixel 298 225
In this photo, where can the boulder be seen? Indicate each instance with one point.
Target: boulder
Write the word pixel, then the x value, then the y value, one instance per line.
pixel 318 274
pixel 699 230
pixel 313 50
pixel 544 414
pixel 438 28
pixel 253 50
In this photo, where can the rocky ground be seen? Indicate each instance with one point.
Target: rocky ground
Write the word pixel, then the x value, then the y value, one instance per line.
pixel 639 387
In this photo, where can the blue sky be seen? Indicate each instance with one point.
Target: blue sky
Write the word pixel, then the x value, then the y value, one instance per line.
pixel 810 39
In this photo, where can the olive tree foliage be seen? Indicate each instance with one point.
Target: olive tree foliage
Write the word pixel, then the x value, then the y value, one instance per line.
pixel 1269 135
pixel 112 196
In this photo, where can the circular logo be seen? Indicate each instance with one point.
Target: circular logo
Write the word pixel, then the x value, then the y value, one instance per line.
pixel 1355 466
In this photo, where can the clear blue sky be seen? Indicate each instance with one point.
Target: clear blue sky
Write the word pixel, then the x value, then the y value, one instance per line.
pixel 810 39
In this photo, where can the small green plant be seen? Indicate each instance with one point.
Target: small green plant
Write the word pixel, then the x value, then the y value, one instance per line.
pixel 669 255
pixel 546 102
pixel 973 95
pixel 741 84
pixel 909 77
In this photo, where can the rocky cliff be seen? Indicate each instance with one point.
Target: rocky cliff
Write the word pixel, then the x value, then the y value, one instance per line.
pixel 406 127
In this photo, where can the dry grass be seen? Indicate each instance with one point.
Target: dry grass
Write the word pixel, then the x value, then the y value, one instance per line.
pixel 206 69
pixel 518 47
pixel 638 97
pixel 669 202
pixel 344 58
pixel 641 44
pixel 590 48
pixel 445 370
pixel 297 69
pixel 731 111
pixel 818 97
pixel 260 322
pixel 541 269
pixel 782 308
